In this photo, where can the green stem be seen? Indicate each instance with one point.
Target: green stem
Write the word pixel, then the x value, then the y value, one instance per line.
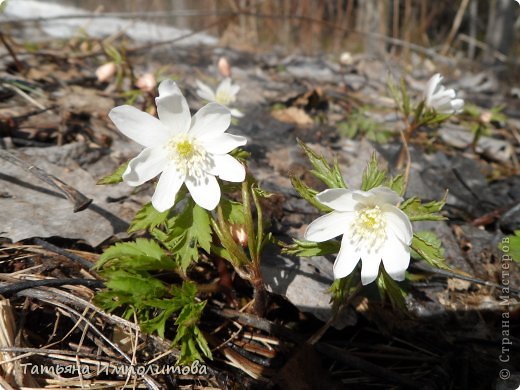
pixel 248 219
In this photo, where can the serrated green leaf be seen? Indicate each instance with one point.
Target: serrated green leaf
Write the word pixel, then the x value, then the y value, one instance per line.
pixel 189 335
pixel 328 174
pixel 418 211
pixel 115 177
pixel 396 183
pixel 181 297
pixel 309 248
pixel 138 285
pixel 188 231
pixel 373 176
pixel 147 218
pixel 141 254
pixel 426 245
pixel 308 194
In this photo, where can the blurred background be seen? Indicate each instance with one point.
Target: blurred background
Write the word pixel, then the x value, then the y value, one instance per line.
pixel 469 29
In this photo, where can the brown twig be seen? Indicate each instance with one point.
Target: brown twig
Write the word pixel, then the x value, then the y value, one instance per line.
pixel 80 201
pixel 13 288
pixel 19 66
pixel 53 248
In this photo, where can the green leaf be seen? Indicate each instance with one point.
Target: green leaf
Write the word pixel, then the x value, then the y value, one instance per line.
pixel 141 254
pixel 147 218
pixel 308 194
pixel 115 177
pixel 232 211
pixel 138 285
pixel 418 211
pixel 189 335
pixel 341 289
pixel 389 288
pixel 202 343
pixel 396 183
pixel 405 98
pixel 240 154
pixel 373 176
pixel 328 174
pixel 510 246
pixel 188 231
pixel 428 246
pixel 309 248
pixel 182 296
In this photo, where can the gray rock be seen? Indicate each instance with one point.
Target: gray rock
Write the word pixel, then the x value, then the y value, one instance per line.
pixel 510 221
pixel 305 282
pixel 30 208
pixel 491 148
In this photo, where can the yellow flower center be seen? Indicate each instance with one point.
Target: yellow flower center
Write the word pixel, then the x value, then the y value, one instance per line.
pixel 369 228
pixel 224 98
pixel 188 155
pixel 185 149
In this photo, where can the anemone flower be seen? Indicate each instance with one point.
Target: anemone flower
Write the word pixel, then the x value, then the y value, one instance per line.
pixel 180 149
pixel 373 230
pixel 225 94
pixel 441 99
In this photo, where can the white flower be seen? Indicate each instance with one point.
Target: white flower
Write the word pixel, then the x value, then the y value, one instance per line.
pixel 180 148
pixel 441 99
pixel 373 229
pixel 225 94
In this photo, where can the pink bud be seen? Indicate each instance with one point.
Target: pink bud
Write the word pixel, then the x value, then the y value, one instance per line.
pixel 223 67
pixel 146 82
pixel 105 72
pixel 486 116
pixel 239 234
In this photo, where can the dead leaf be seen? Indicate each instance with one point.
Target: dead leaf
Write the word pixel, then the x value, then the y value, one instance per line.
pixel 293 115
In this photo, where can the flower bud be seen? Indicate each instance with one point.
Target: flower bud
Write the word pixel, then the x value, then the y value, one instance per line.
pixel 105 72
pixel 239 234
pixel 223 67
pixel 485 117
pixel 346 58
pixel 146 82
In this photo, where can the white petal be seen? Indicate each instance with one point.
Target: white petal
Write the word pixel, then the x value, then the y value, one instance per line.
pixel 229 169
pixel 141 127
pixel 234 89
pixel 348 258
pixel 172 107
pixel 431 86
pixel 369 267
pixel 169 183
pixel 225 86
pixel 339 199
pixel 236 113
pixel 396 258
pixel 205 191
pixel 148 164
pixel 223 143
pixel 398 223
pixel 328 226
pixel 210 121
pixel 457 105
pixel 205 92
pixel 385 195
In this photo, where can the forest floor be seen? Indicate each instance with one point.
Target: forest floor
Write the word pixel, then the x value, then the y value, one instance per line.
pixel 53 115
